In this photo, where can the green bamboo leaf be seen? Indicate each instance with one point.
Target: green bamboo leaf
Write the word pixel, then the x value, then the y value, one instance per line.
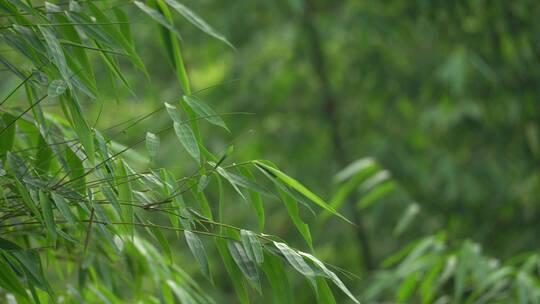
pixel 254 197
pixel 56 52
pixel 123 37
pixel 197 249
pixel 203 182
pixel 93 31
pixel 63 208
pixel 252 246
pixel 203 204
pixel 114 69
pixel 273 269
pixel 295 259
pixel 230 179
pixel 81 127
pixel 376 193
pixel 204 111
pixel 406 219
pixel 294 184
pixel 406 288
pixel 48 215
pixel 294 214
pixel 187 139
pixel 331 275
pixel 56 88
pixel 173 112
pixel 232 269
pixel 125 194
pixel 76 170
pixel 9 280
pixel 197 21
pixel 356 167
pixel 248 183
pixel 44 156
pixel 152 144
pixel 158 17
pixel 245 263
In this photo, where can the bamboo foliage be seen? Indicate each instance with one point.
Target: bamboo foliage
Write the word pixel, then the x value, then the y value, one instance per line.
pixel 72 206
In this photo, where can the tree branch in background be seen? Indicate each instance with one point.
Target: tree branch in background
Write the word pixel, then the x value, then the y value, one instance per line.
pixel 318 63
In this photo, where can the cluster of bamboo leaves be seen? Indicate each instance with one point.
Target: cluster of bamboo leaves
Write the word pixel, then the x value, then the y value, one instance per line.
pixel 68 197
pixel 431 271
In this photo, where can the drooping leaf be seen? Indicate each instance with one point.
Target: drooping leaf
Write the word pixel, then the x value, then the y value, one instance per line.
pixel 289 181
pixel 295 259
pixel 252 246
pixel 292 209
pixel 203 182
pixel 187 139
pixel 232 269
pixel 204 111
pixel 152 144
pixel 245 263
pixel 48 215
pixel 197 21
pixel 331 275
pixel 63 207
pixel 197 249
pixel 158 17
pixel 273 269
pixel 255 198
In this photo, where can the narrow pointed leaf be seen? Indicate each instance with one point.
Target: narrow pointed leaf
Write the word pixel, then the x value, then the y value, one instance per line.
pixel 197 21
pixel 252 246
pixel 197 249
pixel 291 182
pixel 152 144
pixel 187 139
pixel 204 111
pixel 245 263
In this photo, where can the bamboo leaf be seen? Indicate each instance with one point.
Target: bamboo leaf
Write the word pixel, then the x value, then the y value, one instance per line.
pixel 245 263
pixel 273 269
pixel 9 280
pixel 331 275
pixel 187 139
pixel 197 249
pixel 204 111
pixel 63 207
pixel 254 198
pixel 158 17
pixel 173 112
pixel 232 269
pixel 291 182
pixel 48 215
pixel 197 21
pixel 252 246
pixel 203 182
pixel 292 210
pixel 295 259
pixel 152 144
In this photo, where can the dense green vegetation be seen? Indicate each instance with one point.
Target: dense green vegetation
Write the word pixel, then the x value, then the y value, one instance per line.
pixel 400 142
